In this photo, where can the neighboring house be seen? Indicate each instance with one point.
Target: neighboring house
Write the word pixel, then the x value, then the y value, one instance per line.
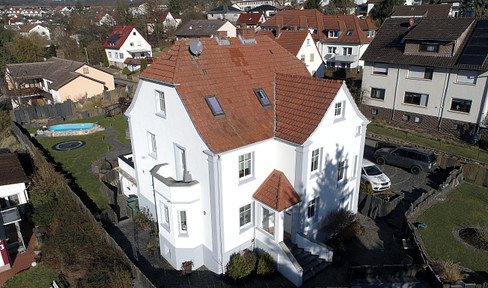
pixel 206 29
pixel 168 20
pixel 35 28
pixel 224 13
pixel 106 19
pixel 415 11
pixel 341 39
pixel 13 182
pixel 301 44
pixel 250 20
pixel 135 64
pixel 268 10
pixel 127 174
pixel 244 150
pixel 456 6
pixel 432 74
pixel 126 42
pixel 55 81
pixel 247 5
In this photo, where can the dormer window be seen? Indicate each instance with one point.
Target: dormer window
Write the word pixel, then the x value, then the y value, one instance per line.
pixel 333 34
pixel 429 47
pixel 262 97
pixel 349 32
pixel 214 105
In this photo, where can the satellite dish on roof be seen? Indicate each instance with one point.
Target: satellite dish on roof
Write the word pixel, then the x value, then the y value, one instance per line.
pixel 196 47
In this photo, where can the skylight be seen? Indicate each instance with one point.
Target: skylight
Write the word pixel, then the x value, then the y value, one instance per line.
pixel 262 97
pixel 214 105
pixel 349 32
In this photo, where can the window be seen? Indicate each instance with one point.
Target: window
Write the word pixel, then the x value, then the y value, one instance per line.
pixel 380 68
pixel 121 55
pixel 338 109
pixel 183 224
pixel 333 34
pixel 245 165
pixel 332 50
pixel 467 76
pixel 166 213
pixel 418 120
pixel 180 162
pixel 214 105
pixel 347 51
pixel 406 117
pixel 311 57
pixel 245 215
pixel 311 208
pixel 109 54
pixel 461 105
pixel 370 33
pixel 416 99
pixel 378 93
pixel 429 47
pixel 315 160
pixel 341 172
pixel 267 220
pixel 374 111
pixel 308 42
pixel 302 57
pixel 85 70
pixel 420 72
pixel 116 55
pixel 160 103
pixel 131 44
pixel 349 32
pixel 262 97
pixel 134 33
pixel 359 128
pixel 152 144
pixel 13 200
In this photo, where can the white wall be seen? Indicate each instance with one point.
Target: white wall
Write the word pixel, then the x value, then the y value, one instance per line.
pixel 230 28
pixel 307 50
pixel 12 189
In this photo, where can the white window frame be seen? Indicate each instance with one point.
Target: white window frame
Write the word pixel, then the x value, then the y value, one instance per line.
pixel 121 55
pixel 465 101
pixel 342 171
pixel 333 34
pixel 243 211
pixel 347 51
pixel 312 208
pixel 109 55
pixel 315 160
pixel 375 91
pixel 160 103
pixel 243 160
pixel 339 110
pixel 380 68
pixel 183 221
pixel 467 77
pixel 424 99
pixel 152 145
pixel 271 218
pixel 331 50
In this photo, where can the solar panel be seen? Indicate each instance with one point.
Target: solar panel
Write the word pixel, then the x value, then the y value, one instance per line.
pixel 476 50
pixel 114 37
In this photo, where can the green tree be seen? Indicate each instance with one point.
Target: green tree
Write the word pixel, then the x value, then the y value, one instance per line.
pixel 383 10
pixel 174 6
pixel 29 48
pixel 479 7
pixel 313 4
pixel 143 65
pixel 105 60
pixel 79 7
pixel 50 52
pixel 336 6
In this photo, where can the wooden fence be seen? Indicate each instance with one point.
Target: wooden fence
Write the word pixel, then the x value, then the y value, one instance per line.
pixel 26 143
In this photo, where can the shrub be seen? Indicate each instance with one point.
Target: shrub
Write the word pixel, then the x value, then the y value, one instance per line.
pixel 126 71
pixel 105 60
pixel 342 225
pixel 143 65
pixel 266 265
pixel 251 260
pixel 144 219
pixel 238 268
pixel 448 271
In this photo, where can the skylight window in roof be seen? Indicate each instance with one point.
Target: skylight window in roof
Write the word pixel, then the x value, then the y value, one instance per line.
pixel 214 105
pixel 349 32
pixel 200 26
pixel 262 97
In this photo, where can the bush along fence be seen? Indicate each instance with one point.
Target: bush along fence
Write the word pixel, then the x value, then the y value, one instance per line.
pixel 27 144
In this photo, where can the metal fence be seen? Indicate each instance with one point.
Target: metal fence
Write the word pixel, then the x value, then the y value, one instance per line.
pixel 26 143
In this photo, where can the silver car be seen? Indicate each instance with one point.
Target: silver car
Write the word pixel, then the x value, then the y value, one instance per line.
pixel 411 158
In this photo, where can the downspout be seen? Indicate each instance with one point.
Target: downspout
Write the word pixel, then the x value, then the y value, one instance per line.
pixel 396 91
pixel 219 215
pixel 444 96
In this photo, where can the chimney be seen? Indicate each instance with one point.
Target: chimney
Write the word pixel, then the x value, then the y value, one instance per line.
pixel 278 31
pixel 246 33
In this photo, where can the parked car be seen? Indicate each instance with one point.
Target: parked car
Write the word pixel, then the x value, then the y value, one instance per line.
pixel 411 158
pixel 372 175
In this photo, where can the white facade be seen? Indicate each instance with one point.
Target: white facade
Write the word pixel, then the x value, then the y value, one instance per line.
pixel 310 55
pixel 127 174
pixel 446 93
pixel 343 55
pixel 134 46
pixel 14 194
pixel 41 30
pixel 199 219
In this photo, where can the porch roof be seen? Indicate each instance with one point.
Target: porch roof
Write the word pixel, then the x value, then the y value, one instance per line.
pixel 277 192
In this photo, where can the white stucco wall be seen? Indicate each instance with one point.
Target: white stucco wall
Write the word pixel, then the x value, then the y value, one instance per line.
pixel 15 189
pixel 339 57
pixel 313 63
pixel 229 28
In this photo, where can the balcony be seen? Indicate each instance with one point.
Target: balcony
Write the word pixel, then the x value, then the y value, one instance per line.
pixel 344 58
pixel 186 190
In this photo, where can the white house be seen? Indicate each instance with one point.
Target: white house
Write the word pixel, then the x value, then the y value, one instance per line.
pixel 126 42
pixel 12 182
pixel 206 29
pixel 35 28
pixel 105 19
pixel 127 174
pixel 224 12
pixel 230 154
pixel 301 44
pixel 429 73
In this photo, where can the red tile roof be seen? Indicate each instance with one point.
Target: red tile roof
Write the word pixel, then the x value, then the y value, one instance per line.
pixel 311 18
pixel 11 171
pixel 292 40
pixel 301 105
pixel 28 27
pixel 277 192
pixel 230 72
pixel 119 35
pixel 249 18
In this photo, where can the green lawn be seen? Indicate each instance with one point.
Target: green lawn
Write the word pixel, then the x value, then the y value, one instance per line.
pixel 39 276
pixel 78 162
pixel 467 205
pixel 473 153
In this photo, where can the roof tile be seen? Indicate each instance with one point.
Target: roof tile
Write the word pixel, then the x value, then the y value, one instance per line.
pixel 277 192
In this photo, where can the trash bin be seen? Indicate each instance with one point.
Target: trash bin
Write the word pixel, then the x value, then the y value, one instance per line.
pixel 132 202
